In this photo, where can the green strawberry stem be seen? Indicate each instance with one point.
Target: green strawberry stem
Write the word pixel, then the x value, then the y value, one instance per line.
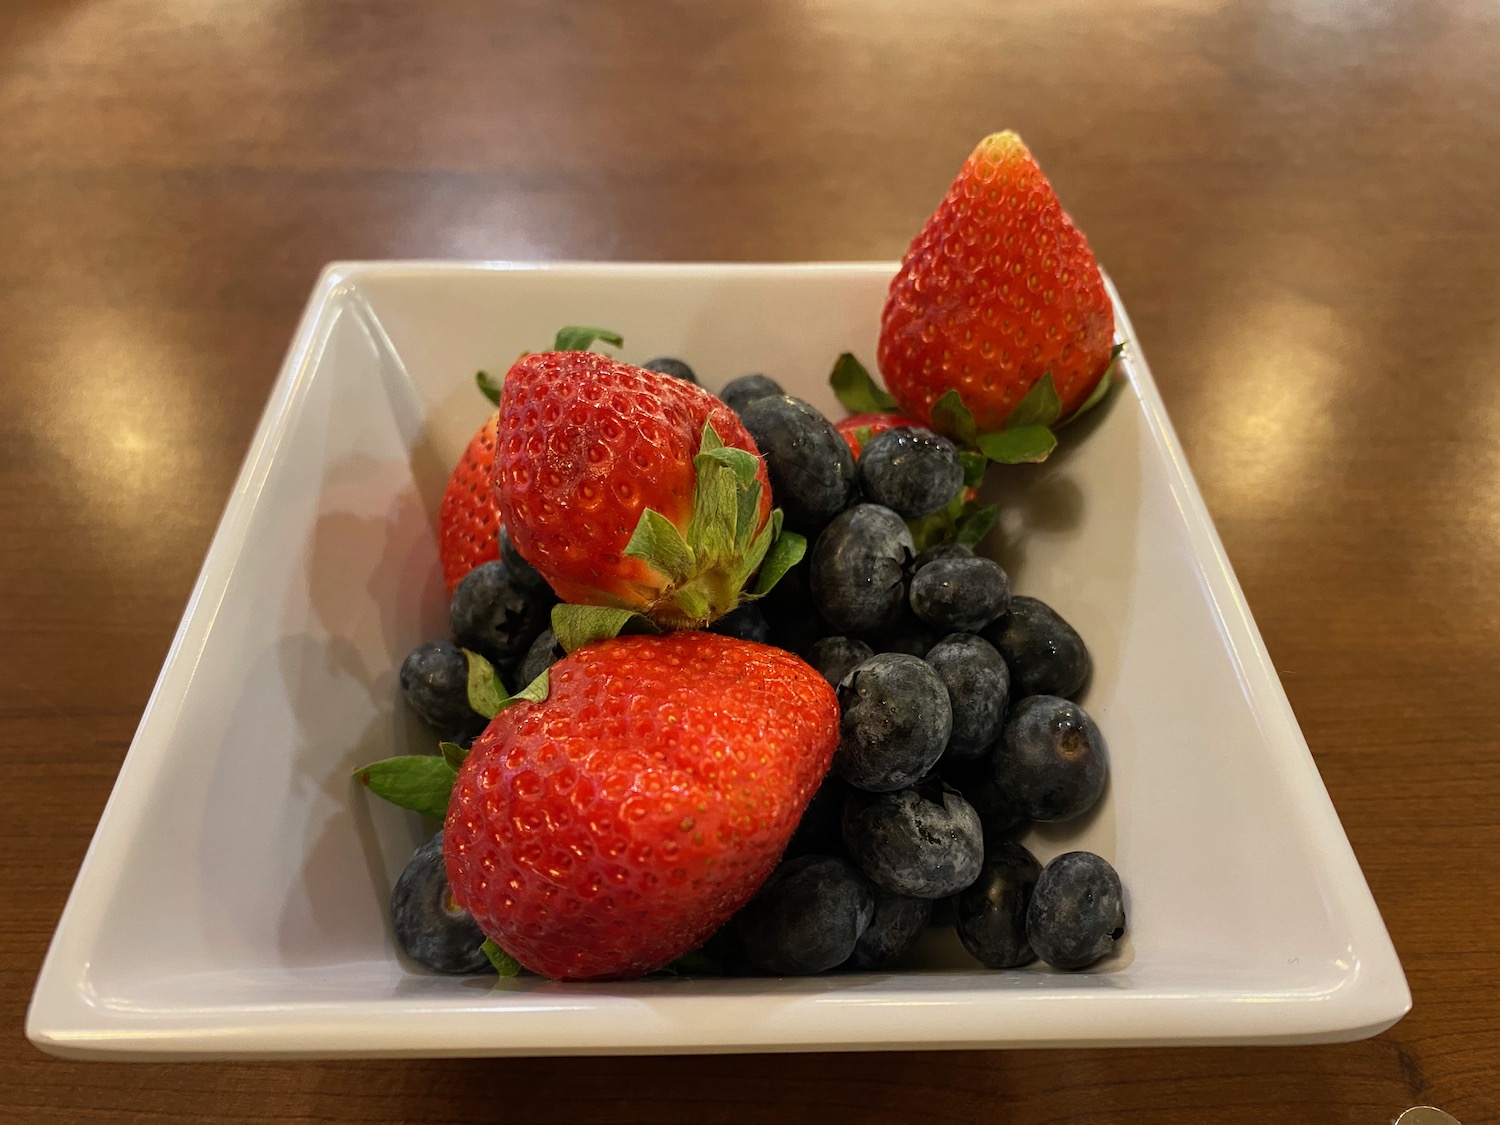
pixel 1027 435
pixel 503 962
pixel 704 569
pixel 424 782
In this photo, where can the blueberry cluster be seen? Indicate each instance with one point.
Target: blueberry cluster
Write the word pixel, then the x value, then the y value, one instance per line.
pixel 499 610
pixel 958 726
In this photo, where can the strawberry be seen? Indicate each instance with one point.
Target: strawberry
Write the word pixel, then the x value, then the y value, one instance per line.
pixel 614 825
pixel 997 324
pixel 468 522
pixel 631 489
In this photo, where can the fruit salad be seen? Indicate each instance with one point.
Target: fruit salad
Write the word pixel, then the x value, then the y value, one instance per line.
pixel 727 687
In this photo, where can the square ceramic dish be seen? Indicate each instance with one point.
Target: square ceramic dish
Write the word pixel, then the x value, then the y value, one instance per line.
pixel 232 901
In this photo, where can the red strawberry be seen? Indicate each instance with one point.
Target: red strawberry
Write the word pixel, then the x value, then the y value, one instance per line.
pixel 468 523
pixel 998 291
pixel 860 428
pixel 632 489
pixel 611 828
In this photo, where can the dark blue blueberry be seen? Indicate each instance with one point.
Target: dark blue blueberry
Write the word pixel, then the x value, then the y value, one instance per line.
pixel 961 595
pixel 857 572
pixel 543 653
pixel 807 917
pixel 924 841
pixel 836 657
pixel 1046 656
pixel 495 615
pixel 1077 911
pixel 910 470
pixel 894 724
pixel 898 922
pixel 1051 759
pixel 431 928
pixel 744 621
pixel 821 829
pixel 725 950
pixel 740 393
pixel 978 688
pixel 525 576
pixel 809 465
pixel 666 365
pixel 435 681
pixel 999 814
pixel 991 912
pixel 948 550
pixel 796 624
pixel 910 635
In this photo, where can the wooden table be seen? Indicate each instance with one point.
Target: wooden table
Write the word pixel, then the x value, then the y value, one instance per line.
pixel 1298 201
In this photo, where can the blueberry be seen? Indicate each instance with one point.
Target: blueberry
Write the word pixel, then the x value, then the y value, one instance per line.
pixel 431 928
pixel 910 635
pixel 525 576
pixel 948 550
pixel 744 621
pixel 543 653
pixel 1046 656
pixel 796 624
pixel 807 917
pixel 740 393
pixel 924 841
pixel 894 724
pixel 666 365
pixel 726 949
pixel 809 465
pixel 435 681
pixel 836 657
pixel 992 910
pixel 962 595
pixel 1051 759
pixel 910 470
pixel 1077 911
pixel 495 615
pixel 999 814
pixel 978 688
pixel 898 922
pixel 821 830
pixel 857 572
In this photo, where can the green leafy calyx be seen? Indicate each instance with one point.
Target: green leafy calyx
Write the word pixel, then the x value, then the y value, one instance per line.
pixel 578 625
pixel 705 567
pixel 503 962
pixel 420 782
pixel 859 393
pixel 577 338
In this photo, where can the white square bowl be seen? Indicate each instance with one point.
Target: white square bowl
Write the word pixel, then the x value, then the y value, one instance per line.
pixel 232 901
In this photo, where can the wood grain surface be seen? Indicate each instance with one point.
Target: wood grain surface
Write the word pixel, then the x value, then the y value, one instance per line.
pixel 1297 199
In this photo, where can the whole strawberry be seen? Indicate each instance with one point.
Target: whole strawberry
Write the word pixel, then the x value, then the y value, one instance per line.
pixel 468 522
pixel 631 489
pixel 998 294
pixel 605 831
